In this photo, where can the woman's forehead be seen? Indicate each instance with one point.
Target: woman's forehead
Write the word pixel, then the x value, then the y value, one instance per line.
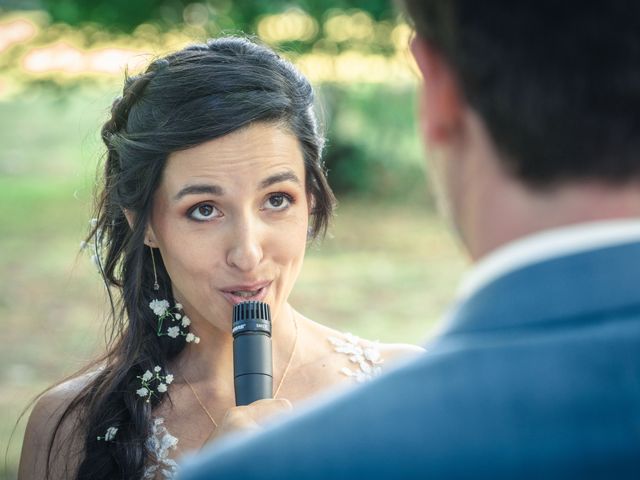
pixel 252 154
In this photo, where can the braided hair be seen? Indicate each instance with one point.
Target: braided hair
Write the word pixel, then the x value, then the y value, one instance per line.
pixel 189 97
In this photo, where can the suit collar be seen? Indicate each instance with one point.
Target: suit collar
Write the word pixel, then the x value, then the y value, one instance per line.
pixel 546 245
pixel 567 288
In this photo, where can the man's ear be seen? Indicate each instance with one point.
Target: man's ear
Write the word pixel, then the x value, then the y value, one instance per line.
pixel 441 100
pixel 149 236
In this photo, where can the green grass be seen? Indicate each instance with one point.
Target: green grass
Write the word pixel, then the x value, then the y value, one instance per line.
pixel 386 271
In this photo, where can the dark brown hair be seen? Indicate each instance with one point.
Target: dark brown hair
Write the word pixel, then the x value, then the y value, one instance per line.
pixel 557 83
pixel 191 96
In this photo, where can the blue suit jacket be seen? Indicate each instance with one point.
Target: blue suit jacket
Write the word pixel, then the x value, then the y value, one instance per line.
pixel 537 376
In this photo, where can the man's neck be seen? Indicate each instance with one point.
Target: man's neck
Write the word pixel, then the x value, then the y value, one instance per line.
pixel 514 212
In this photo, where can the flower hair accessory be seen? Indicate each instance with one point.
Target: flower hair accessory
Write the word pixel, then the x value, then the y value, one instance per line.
pixel 176 324
pixel 152 383
pixel 109 435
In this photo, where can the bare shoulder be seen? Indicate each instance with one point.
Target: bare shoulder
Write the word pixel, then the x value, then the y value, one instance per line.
pixel 388 352
pixel 333 358
pixel 393 352
pixel 50 407
pixel 46 423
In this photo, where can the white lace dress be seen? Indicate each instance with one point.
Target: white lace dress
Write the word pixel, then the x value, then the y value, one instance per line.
pixel 367 363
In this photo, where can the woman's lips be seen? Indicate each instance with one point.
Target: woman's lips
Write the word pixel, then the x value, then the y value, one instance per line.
pixel 244 293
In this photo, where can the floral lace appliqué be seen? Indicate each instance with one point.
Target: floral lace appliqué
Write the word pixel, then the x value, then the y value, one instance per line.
pixel 368 360
pixel 160 442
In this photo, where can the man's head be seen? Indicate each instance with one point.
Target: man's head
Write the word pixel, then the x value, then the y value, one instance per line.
pixel 555 86
pixel 557 83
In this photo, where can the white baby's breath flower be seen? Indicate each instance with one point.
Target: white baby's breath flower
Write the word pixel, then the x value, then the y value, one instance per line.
pixel 186 321
pixel 157 368
pixel 190 337
pixel 93 222
pixel 162 388
pixel 159 307
pixel 142 392
pixel 110 434
pixel 173 332
pixel 179 306
pixel 168 379
pixel 197 340
pixel 177 316
pixel 147 376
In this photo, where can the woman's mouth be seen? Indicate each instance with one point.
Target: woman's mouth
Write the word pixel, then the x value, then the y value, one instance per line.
pixel 245 294
pixel 239 294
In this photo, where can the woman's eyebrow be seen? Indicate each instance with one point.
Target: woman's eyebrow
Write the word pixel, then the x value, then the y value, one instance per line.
pixel 280 177
pixel 217 190
pixel 199 189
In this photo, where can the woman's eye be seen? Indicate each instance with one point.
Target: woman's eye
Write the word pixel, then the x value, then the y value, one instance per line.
pixel 203 212
pixel 277 201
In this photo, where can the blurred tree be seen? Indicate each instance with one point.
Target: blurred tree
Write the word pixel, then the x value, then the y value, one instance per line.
pixel 372 147
pixel 371 144
pixel 125 15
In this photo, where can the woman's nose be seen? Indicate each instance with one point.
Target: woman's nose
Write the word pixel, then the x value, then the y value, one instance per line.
pixel 245 248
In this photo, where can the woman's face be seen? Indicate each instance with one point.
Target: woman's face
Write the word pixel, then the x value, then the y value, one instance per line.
pixel 230 218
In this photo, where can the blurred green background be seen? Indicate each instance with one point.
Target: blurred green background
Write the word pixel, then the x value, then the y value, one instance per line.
pixel 387 270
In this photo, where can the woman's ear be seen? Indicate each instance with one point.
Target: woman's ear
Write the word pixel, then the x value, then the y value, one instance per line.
pixel 149 235
pixel 441 103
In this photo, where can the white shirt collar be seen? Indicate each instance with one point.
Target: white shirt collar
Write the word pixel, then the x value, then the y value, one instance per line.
pixel 545 245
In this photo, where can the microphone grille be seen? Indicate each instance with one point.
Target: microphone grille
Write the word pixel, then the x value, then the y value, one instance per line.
pixel 251 310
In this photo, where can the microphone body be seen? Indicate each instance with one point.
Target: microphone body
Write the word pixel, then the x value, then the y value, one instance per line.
pixel 252 359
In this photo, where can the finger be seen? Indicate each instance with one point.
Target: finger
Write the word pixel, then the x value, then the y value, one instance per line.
pixel 239 417
pixel 271 404
pixel 263 410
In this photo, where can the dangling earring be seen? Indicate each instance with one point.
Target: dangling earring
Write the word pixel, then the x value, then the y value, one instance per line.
pixel 156 286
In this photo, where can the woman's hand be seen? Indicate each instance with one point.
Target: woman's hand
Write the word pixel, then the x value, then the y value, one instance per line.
pixel 251 417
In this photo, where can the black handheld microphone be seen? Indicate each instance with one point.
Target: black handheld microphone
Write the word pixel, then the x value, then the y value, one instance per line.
pixel 252 362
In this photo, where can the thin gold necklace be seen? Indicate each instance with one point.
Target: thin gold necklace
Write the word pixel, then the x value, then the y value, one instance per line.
pixel 200 402
pixel 284 374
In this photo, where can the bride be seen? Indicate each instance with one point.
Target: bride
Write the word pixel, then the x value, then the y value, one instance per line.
pixel 213 187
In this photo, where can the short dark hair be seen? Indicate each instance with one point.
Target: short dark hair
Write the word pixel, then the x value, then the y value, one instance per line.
pixel 556 82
